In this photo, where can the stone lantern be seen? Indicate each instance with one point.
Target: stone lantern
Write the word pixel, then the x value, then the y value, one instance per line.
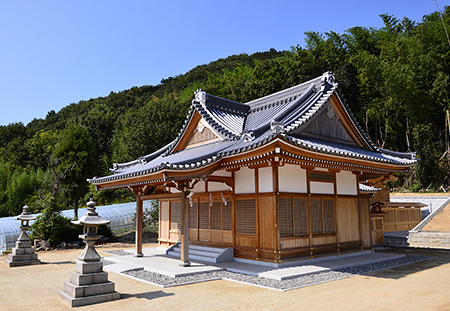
pixel 89 283
pixel 23 254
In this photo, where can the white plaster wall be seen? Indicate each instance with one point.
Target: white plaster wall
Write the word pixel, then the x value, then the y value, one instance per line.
pixel 199 187
pixel 221 173
pixel 346 183
pixel 217 186
pixel 320 169
pixel 322 187
pixel 265 179
pixel 244 181
pixel 292 178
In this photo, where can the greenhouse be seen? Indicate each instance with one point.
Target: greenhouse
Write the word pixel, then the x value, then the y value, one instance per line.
pixel 121 216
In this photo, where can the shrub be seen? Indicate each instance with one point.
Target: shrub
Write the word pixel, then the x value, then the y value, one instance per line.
pixel 55 228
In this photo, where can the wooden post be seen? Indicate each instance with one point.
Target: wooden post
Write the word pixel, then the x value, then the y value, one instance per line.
pixel 184 231
pixel 139 229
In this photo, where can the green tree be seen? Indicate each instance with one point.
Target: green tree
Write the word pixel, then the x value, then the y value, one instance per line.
pixel 75 149
pixel 149 128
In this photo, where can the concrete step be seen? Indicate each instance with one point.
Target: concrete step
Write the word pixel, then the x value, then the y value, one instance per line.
pixel 396 238
pixel 203 253
pixel 177 252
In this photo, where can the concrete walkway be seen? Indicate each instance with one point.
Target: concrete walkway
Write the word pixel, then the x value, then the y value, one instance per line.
pixel 155 260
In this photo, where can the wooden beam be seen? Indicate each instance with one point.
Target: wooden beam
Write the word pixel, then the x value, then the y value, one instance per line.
pixel 139 229
pixel 184 231
pixel 161 196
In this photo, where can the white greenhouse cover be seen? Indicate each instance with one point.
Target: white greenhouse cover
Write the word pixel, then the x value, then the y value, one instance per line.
pixel 121 216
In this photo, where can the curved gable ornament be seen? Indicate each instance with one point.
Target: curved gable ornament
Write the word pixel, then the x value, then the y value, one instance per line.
pixel 330 113
pixel 276 127
pixel 200 96
pixel 248 136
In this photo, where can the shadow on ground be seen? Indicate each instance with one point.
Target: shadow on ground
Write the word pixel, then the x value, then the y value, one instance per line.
pixel 439 257
pixel 147 295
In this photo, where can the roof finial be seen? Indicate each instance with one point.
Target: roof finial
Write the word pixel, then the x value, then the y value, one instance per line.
pixel 276 127
pixel 200 96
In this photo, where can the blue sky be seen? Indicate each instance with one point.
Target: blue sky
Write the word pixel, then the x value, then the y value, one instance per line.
pixel 54 53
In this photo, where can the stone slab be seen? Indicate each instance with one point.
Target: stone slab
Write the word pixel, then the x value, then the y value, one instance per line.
pixel 84 267
pixel 23 244
pixel 83 301
pixel 22 251
pixel 26 257
pixel 87 279
pixel 75 291
pixel 22 263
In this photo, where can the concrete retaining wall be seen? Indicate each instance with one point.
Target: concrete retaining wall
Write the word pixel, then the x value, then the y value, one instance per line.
pixel 429 239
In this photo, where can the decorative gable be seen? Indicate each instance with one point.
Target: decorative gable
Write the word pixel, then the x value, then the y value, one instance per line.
pixel 201 135
pixel 328 126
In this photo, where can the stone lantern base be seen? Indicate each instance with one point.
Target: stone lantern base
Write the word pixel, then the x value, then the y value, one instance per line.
pixel 88 285
pixel 23 254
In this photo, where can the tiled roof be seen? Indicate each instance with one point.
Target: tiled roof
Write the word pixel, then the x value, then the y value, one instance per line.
pixel 248 126
pixel 368 189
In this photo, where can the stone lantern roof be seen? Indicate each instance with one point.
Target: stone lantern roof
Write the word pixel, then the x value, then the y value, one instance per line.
pixel 25 216
pixel 91 218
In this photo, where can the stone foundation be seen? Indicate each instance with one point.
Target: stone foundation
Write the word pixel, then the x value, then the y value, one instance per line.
pixel 88 285
pixel 23 254
pixel 429 239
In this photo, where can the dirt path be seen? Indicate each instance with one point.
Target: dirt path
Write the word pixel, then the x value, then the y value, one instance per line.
pixel 419 286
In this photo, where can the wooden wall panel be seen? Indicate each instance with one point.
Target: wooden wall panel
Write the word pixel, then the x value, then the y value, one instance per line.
pixel 267 222
pixel 245 241
pixel 203 234
pixel 401 219
pixel 193 235
pixel 347 219
pixel 294 242
pixel 164 220
pixel 227 237
pixel 320 240
pixel 364 220
pixel 175 235
pixel 216 236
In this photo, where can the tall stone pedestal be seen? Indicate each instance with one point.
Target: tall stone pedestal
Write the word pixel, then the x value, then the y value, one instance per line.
pixel 23 254
pixel 88 285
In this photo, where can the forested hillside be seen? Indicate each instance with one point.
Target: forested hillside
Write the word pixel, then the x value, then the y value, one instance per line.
pixel 395 79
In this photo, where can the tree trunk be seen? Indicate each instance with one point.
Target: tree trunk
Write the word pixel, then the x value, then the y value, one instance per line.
pixel 75 208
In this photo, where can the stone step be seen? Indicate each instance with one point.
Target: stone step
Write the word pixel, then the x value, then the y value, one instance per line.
pixel 83 301
pixel 203 253
pixel 76 291
pixel 396 239
pixel 24 257
pixel 177 252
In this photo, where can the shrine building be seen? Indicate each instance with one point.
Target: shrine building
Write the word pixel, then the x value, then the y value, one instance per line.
pixel 282 177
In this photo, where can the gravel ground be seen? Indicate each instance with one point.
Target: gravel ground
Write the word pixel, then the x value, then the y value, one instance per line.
pixel 119 252
pixel 284 285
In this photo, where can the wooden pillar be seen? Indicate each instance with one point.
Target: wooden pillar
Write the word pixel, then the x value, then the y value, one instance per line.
pixel 184 231
pixel 139 229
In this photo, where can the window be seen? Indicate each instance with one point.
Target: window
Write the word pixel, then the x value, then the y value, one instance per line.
pixel 300 216
pixel 175 215
pixel 193 213
pixel 316 216
pixel 293 216
pixel 215 217
pixel 285 217
pixel 227 222
pixel 322 216
pixel 203 215
pixel 321 176
pixel 245 216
